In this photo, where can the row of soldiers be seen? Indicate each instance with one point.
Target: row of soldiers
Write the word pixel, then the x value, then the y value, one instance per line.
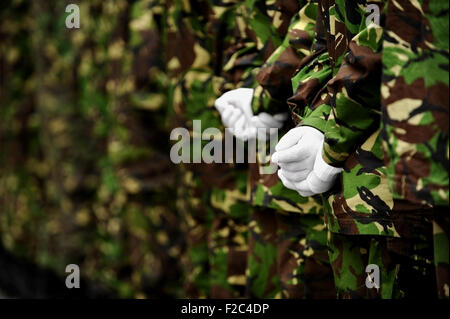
pixel 372 77
pixel 85 177
pixel 86 117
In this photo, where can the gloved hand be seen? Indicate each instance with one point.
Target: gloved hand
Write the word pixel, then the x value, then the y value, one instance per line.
pixel 296 151
pixel 299 155
pixel 320 180
pixel 235 108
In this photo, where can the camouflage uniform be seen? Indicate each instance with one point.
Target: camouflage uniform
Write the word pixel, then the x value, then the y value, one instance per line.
pixel 19 134
pixel 284 245
pixel 244 52
pixel 255 37
pixel 415 102
pixel 302 263
pixel 212 198
pixel 145 165
pixel 129 213
pixel 337 92
pixel 54 169
pixel 89 178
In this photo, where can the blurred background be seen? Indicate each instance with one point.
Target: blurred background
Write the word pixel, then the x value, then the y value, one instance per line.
pixel 85 176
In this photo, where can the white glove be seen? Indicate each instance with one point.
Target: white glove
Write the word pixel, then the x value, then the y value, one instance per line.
pixel 235 108
pixel 320 180
pixel 296 151
pixel 239 98
pixel 297 154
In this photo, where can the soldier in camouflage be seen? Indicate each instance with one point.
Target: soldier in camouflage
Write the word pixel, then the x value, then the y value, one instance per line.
pixel 414 121
pixel 85 116
pixel 288 254
pixel 302 260
pixel 213 196
pixel 86 178
pixel 337 92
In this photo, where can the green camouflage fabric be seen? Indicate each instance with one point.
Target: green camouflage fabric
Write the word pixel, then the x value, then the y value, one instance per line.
pixel 135 170
pixel 192 203
pixel 142 162
pixel 245 51
pixel 346 254
pixel 86 185
pixel 119 72
pixel 273 79
pixel 85 174
pixel 228 248
pixel 441 250
pixel 289 256
pixel 354 46
pixel 263 280
pixel 217 194
pixel 259 27
pixel 255 29
pixel 271 93
pixel 302 258
pixel 399 260
pixel 277 267
pixel 303 263
pixel 181 45
pixel 337 92
pixel 414 118
pixel 19 136
pixel 326 87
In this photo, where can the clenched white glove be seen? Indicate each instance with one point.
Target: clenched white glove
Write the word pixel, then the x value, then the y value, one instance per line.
pixel 296 151
pixel 320 180
pixel 239 98
pixel 235 108
pixel 299 155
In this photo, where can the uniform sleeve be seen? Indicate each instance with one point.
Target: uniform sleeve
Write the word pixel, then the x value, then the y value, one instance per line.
pixel 259 28
pixel 354 95
pixel 309 104
pixel 274 78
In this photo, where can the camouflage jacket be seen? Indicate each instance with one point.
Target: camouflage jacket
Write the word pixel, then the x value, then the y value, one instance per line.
pixel 271 93
pixel 415 101
pixel 259 27
pixel 262 43
pixel 218 45
pixel 337 92
pixel 197 34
